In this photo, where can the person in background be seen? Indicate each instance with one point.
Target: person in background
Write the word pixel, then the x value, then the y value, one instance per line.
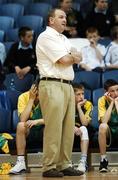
pixel 82 121
pixel 93 54
pixel 101 17
pixel 21 57
pixel 2 59
pixel 30 125
pixel 74 27
pixel 111 57
pixel 55 60
pixel 2 53
pixel 108 118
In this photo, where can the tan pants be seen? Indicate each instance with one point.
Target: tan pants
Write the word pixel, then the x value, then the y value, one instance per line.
pixel 58 108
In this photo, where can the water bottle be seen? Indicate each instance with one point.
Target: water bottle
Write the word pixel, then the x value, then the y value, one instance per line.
pixel 12 85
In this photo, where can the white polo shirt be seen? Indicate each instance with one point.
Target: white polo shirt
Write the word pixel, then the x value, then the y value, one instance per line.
pixel 112 55
pixel 50 47
pixel 89 56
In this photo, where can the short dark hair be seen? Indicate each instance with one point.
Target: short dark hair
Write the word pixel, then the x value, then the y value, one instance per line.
pixel 108 83
pixel 114 33
pixel 22 31
pixel 92 30
pixel 77 86
pixel 51 13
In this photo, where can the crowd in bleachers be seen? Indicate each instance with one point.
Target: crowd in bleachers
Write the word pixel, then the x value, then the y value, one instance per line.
pixel 17 75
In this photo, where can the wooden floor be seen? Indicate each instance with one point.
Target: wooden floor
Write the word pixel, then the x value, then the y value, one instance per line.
pixel 36 175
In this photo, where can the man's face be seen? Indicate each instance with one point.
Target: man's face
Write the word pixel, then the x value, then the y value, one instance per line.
pixel 102 5
pixel 79 95
pixel 113 91
pixel 27 39
pixel 58 22
pixel 66 5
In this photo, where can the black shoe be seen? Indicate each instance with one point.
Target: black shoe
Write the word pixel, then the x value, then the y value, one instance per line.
pixel 103 166
pixel 52 173
pixel 70 171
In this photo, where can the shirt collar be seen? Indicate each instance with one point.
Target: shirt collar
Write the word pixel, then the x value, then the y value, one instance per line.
pixel 20 46
pixel 53 31
pixel 99 11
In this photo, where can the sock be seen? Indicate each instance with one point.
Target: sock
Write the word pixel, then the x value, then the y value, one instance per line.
pixel 83 157
pixel 21 158
pixel 104 156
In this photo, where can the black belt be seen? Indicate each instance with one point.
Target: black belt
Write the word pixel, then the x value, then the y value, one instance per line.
pixel 55 79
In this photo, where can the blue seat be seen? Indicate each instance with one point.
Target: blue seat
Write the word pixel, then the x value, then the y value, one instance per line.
pixel 33 21
pixel 12 10
pixel 5 120
pixel 4 100
pixel 96 94
pixel 15 120
pixel 12 82
pixel 87 94
pixel 12 35
pixel 111 74
pixel 90 79
pixel 3 1
pixel 8 45
pixel 40 9
pixel 54 3
pixel 6 23
pixel 2 33
pixel 13 95
pixel 22 2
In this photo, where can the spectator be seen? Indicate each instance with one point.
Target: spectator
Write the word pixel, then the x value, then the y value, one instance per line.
pixel 108 118
pixel 74 27
pixel 29 126
pixel 111 57
pixel 82 120
pixel 2 53
pixel 21 57
pixel 92 55
pixel 2 59
pixel 101 17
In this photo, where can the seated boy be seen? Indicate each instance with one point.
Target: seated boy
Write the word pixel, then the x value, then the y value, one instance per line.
pixel 30 124
pixel 108 117
pixel 82 120
pixel 92 55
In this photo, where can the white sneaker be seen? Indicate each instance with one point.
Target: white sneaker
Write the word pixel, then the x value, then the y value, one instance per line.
pixel 82 166
pixel 18 168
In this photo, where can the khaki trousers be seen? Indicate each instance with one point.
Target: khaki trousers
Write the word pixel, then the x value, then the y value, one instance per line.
pixel 57 102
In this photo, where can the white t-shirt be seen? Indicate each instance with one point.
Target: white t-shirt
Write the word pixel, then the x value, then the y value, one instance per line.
pixel 89 56
pixel 112 54
pixel 50 47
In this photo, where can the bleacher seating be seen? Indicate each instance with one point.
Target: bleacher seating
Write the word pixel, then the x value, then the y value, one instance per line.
pixel 2 34
pixel 6 23
pixel 12 82
pixel 12 10
pixel 40 9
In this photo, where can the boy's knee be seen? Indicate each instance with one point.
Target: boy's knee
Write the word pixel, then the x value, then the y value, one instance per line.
pixel 21 127
pixel 103 128
pixel 84 135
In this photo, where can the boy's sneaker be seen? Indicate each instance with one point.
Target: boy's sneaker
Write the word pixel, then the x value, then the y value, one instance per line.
pixel 82 166
pixel 20 167
pixel 103 166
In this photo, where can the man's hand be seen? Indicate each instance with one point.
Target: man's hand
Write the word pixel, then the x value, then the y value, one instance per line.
pixel 33 92
pixel 77 131
pixel 77 56
pixel 31 123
